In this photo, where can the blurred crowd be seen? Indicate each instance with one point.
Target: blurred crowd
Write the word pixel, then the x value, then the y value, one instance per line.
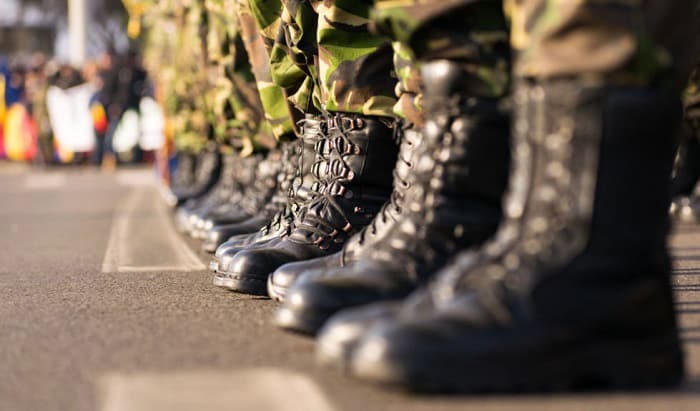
pixel 113 83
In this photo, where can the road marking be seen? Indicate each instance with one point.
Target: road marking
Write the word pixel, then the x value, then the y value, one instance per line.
pixel 266 389
pixel 142 220
pixel 136 178
pixel 37 182
pixel 12 169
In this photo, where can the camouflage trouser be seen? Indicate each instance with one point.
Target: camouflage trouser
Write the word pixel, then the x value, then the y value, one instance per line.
pixel 190 80
pixel 626 42
pixel 255 26
pixel 471 32
pixel 692 91
pixel 324 56
pixel 692 100
pixel 237 107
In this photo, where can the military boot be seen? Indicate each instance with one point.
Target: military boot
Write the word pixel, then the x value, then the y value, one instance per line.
pixel 573 291
pixel 280 224
pixel 454 203
pixel 410 151
pixel 225 199
pixel 289 164
pixel 184 174
pixel 685 206
pixel 207 172
pixel 354 181
pixel 256 195
pixel 219 193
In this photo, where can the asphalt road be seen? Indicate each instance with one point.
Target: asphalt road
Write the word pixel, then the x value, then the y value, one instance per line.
pixel 101 308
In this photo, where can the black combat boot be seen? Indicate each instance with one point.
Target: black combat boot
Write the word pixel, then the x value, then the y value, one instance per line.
pixel 280 224
pixel 573 291
pixel 184 175
pixel 685 206
pixel 208 167
pixel 289 164
pixel 256 195
pixel 354 181
pixel 219 193
pixel 454 203
pixel 410 151
pixel 226 196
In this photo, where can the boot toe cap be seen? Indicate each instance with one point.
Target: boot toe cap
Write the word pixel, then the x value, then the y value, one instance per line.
pixel 288 274
pixel 258 262
pixel 342 332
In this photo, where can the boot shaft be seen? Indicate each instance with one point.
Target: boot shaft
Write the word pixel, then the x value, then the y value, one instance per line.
pixel 357 157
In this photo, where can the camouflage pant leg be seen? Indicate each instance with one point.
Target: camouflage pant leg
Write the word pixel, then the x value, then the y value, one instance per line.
pixel 237 106
pixel 692 91
pixel 191 128
pixel 692 101
pixel 472 33
pixel 409 104
pixel 614 41
pixel 259 22
pixel 355 66
pixel 294 55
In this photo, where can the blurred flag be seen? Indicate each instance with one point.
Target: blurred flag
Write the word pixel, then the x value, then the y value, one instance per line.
pixel 99 117
pixel 20 134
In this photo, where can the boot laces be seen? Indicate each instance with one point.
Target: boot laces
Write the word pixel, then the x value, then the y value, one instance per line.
pixel 332 173
pixel 543 227
pixel 282 221
pixel 401 186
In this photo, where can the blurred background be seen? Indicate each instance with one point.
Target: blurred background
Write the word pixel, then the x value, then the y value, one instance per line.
pixel 74 87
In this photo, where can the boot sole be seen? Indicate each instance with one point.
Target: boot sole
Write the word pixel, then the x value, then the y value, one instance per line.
pixel 275 292
pixel 334 356
pixel 306 324
pixel 625 366
pixel 247 284
pixel 209 247
pixel 222 281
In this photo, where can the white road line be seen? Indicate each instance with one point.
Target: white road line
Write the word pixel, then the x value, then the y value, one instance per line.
pixel 266 389
pixel 12 169
pixel 53 181
pixel 118 234
pixel 122 254
pixel 188 259
pixel 136 178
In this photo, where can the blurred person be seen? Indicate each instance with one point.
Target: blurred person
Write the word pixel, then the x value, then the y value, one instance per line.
pixel 123 88
pixel 66 77
pixel 104 110
pixel 37 86
pixel 20 142
pixel 4 77
pixel 93 72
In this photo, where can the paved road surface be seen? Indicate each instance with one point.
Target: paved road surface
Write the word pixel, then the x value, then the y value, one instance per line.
pixel 102 307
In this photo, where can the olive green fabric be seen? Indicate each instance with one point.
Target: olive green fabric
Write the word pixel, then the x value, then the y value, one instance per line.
pixel 692 100
pixel 294 55
pixel 622 42
pixel 177 61
pixel 409 105
pixel 325 58
pixel 355 66
pixel 473 33
pixel 258 21
pixel 195 51
pixel 692 91
pixel 238 113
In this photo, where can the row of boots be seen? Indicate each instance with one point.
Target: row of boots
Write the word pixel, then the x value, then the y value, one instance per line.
pixel 499 247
